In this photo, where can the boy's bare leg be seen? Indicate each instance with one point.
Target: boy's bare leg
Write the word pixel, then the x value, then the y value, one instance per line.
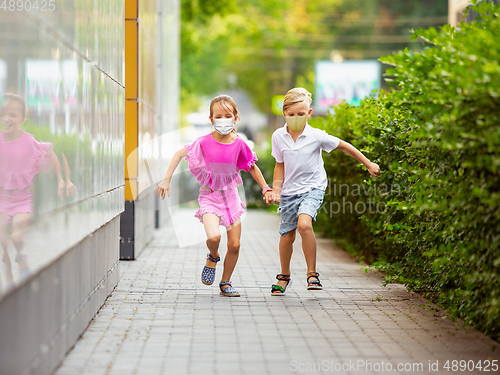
pixel 286 250
pixel 233 250
pixel 211 224
pixel 305 229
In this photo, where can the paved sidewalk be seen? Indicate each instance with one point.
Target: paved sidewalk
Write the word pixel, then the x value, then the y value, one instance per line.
pixel 162 320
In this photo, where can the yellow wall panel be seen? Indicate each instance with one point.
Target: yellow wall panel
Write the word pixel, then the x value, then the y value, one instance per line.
pixel 131 139
pixel 130 190
pixel 131 9
pixel 131 94
pixel 131 59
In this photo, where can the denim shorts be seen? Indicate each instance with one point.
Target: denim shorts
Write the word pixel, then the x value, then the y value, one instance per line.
pixel 291 206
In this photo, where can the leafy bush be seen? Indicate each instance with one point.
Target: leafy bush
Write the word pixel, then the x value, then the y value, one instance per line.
pixel 436 139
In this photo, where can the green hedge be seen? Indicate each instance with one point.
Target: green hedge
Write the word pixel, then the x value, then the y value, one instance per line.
pixel 432 219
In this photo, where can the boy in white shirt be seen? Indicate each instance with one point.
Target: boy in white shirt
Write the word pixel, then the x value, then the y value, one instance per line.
pixel 300 181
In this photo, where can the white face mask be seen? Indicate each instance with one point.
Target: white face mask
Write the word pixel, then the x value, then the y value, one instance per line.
pixel 296 123
pixel 224 126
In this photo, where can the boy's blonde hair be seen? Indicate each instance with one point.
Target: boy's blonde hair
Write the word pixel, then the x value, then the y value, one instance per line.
pixel 227 102
pixel 296 95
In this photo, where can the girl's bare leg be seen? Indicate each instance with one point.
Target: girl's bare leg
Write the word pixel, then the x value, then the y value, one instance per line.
pixel 286 250
pixel 20 223
pixel 6 259
pixel 211 224
pixel 233 250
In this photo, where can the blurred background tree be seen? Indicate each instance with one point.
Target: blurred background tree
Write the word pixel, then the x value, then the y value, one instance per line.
pixel 266 47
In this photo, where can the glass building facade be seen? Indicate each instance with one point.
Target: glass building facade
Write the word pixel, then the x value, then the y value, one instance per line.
pixel 67 66
pixel 79 159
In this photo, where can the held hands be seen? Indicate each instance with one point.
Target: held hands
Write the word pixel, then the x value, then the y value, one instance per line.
pixel 276 198
pixel 271 197
pixel 163 188
pixel 268 197
pixel 374 169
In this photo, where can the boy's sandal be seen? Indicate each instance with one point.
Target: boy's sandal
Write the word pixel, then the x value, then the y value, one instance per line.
pixel 228 291
pixel 278 290
pixel 208 274
pixel 314 283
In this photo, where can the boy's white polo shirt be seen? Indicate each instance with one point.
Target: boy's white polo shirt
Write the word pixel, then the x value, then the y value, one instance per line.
pixel 304 168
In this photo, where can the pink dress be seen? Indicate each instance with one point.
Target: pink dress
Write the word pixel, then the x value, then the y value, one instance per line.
pixel 20 161
pixel 216 166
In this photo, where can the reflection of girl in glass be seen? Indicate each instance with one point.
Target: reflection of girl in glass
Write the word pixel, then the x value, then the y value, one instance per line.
pixel 21 158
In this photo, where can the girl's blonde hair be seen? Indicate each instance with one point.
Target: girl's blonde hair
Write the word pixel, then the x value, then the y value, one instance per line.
pixel 296 95
pixel 228 103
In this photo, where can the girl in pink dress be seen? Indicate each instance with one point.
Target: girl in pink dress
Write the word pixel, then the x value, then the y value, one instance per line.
pixel 216 159
pixel 21 158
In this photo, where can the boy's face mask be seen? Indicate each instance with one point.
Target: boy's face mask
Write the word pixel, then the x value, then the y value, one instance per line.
pixel 296 123
pixel 224 126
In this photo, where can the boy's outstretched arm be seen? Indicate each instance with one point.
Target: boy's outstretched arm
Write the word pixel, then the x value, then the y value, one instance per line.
pixel 349 149
pixel 259 178
pixel 279 175
pixel 164 186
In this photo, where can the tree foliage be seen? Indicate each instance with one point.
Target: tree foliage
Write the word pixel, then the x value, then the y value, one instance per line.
pixel 271 45
pixel 436 140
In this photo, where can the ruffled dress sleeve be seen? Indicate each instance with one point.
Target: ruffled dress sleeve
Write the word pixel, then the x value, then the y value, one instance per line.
pixel 42 157
pixel 246 158
pixel 196 162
